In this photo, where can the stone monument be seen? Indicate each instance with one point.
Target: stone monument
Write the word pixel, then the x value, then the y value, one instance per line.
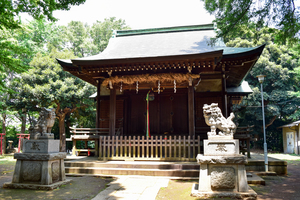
pixel 222 168
pixel 40 165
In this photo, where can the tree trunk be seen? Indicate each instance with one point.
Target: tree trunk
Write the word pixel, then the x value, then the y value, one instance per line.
pixel 4 131
pixel 61 115
pixel 23 117
pixel 62 133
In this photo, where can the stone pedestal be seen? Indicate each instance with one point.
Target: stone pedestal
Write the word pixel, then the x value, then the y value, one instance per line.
pixel 40 166
pixel 222 171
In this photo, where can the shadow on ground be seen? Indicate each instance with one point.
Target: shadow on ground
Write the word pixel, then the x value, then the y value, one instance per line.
pixel 81 188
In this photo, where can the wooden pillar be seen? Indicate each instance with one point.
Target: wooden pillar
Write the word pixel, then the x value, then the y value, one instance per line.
pixel 191 110
pixel 112 112
pixel 224 93
pixel 98 104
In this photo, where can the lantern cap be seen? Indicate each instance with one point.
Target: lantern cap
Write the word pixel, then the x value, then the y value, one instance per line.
pixel 261 78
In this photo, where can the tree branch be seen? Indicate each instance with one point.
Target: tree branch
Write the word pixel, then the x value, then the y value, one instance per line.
pixel 240 17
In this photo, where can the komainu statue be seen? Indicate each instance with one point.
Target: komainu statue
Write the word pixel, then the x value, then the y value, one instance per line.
pixel 42 127
pixel 215 119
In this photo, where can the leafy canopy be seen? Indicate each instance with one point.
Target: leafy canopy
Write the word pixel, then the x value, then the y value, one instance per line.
pixel 9 10
pixel 280 14
pixel 278 63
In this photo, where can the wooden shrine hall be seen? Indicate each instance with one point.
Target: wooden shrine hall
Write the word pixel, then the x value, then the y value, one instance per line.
pixel 179 71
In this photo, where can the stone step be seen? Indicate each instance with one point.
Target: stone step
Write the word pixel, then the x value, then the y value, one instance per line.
pixel 133 171
pixel 135 165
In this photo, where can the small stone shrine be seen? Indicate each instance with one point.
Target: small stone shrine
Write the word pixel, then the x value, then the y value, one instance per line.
pixel 41 165
pixel 222 168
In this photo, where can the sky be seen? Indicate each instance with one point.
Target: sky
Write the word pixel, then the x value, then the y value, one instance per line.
pixel 138 14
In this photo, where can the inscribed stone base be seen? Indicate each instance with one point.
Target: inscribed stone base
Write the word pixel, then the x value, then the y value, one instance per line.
pixel 41 146
pixel 219 147
pixel 249 195
pixel 32 186
pixel 222 176
pixel 38 171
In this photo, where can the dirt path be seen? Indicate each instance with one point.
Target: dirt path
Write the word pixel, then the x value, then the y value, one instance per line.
pixel 81 188
pixel 282 187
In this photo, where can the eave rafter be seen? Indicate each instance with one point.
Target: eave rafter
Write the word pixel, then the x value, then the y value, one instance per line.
pixel 198 65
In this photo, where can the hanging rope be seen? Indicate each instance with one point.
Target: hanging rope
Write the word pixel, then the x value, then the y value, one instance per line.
pixel 174 86
pixel 147 78
pixel 121 87
pixel 137 87
pixel 158 87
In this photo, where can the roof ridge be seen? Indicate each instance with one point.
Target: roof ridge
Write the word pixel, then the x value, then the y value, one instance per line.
pixel 122 33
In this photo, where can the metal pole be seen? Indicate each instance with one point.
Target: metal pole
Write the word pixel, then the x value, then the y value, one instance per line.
pixel 265 140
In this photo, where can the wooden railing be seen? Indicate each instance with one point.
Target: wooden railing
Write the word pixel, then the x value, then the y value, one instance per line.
pixel 176 148
pixel 88 134
pixel 244 136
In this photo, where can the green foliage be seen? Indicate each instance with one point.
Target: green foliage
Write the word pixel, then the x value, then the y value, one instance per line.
pixel 46 82
pixel 38 9
pixel 79 39
pixel 84 40
pixel 101 32
pixel 278 63
pixel 231 15
pixel 11 51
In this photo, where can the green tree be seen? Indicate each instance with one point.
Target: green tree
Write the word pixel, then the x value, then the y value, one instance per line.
pixel 84 40
pixel 10 49
pixel 9 10
pixel 278 63
pixel 231 14
pixel 79 39
pixel 47 85
pixel 101 32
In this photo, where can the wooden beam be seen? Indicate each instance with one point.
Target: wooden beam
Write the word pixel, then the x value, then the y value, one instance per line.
pixel 191 110
pixel 98 104
pixel 112 112
pixel 224 93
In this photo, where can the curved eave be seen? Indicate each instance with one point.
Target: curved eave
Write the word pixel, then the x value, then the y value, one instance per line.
pixel 68 66
pixel 239 64
pixel 236 54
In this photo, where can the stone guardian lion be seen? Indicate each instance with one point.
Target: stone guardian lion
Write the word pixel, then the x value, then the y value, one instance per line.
pixel 42 126
pixel 215 119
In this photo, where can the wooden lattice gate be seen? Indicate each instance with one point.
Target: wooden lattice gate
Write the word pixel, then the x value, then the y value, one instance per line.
pixel 173 148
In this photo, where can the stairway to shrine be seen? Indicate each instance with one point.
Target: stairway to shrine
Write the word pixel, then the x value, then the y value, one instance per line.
pixel 82 165
pixel 141 168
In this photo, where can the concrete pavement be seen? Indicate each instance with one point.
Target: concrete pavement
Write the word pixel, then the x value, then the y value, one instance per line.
pixel 133 188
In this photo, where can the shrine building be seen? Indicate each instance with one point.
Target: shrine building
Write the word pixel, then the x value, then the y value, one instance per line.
pixel 154 82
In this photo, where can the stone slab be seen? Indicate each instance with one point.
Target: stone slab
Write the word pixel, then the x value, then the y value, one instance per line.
pixel 235 159
pixel 256 180
pixel 219 137
pixel 35 186
pixel 41 146
pixel 250 195
pixel 40 156
pixel 221 147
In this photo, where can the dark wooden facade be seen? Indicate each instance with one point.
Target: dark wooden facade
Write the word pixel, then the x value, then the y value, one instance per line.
pixel 177 107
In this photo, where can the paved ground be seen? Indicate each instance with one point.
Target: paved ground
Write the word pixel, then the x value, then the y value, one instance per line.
pixel 282 187
pixel 141 187
pixel 133 188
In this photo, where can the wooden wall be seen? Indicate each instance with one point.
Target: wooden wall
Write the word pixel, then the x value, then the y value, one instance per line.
pixel 168 112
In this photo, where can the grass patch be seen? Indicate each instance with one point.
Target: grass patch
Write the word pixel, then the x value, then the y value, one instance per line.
pixel 7 162
pixel 7 157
